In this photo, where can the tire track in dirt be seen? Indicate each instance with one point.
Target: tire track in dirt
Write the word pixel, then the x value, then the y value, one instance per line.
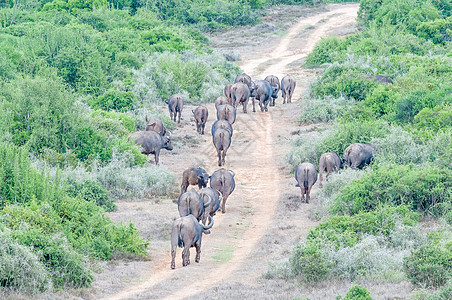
pixel 251 208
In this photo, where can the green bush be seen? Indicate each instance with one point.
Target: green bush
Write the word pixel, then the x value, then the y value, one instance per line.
pixel 422 188
pixel 325 51
pixel 429 266
pixel 65 266
pixel 114 100
pixel 307 261
pixel 436 118
pixel 91 191
pixel 20 268
pixel 357 293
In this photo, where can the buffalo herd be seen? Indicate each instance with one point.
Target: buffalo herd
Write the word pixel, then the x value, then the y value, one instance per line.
pixel 196 207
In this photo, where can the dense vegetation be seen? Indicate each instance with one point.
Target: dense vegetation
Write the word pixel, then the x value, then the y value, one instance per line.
pixel 371 226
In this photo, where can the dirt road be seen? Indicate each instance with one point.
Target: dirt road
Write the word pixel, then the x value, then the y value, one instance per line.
pixel 264 218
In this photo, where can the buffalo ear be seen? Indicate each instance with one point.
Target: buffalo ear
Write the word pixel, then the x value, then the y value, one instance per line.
pixel 167 102
pixel 200 177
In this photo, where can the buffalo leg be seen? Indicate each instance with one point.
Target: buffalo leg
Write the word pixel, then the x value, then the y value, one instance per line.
pixel 198 252
pixel 173 258
pixel 219 158
pixel 254 104
pixel 223 204
pixel 186 256
pixel 178 120
pixel 321 178
pixel 202 127
pixel 157 153
pixel 307 195
pixel 302 193
pixel 223 156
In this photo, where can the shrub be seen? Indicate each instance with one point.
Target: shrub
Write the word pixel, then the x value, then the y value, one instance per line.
pixel 357 293
pixel 325 109
pixel 91 191
pixel 306 260
pixel 429 266
pixel 20 268
pixel 325 51
pixel 422 188
pixel 114 100
pixel 436 118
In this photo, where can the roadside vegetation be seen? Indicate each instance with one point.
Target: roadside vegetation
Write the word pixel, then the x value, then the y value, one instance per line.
pixel 391 221
pixel 76 78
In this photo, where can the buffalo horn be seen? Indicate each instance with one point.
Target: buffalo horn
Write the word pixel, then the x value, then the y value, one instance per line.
pixel 233 174
pixel 208 202
pixel 208 226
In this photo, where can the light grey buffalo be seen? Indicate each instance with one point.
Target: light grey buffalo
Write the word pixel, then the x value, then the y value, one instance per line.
pixel 155 125
pixel 227 92
pixel 194 176
pixel 215 196
pixel 240 95
pixel 223 181
pixel 151 142
pixel 191 203
pixel 306 176
pixel 288 84
pixel 223 124
pixel 226 112
pixel 201 113
pixel 187 232
pixel 329 162
pixel 263 93
pixel 358 155
pixel 175 106
pixel 221 100
pixel 274 82
pixel 221 141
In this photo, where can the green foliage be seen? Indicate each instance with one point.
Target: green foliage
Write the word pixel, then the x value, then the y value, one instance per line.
pixel 114 100
pixel 74 5
pixel 91 191
pixel 357 293
pixel 435 119
pixel 429 266
pixel 325 51
pixel 422 189
pixel 20 268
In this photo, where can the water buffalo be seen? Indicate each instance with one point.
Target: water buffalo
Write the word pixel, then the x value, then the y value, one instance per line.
pixel 175 105
pixel 151 142
pixel 221 100
pixel 227 93
pixel 329 162
pixel 306 176
pixel 223 180
pixel 221 141
pixel 288 84
pixel 187 232
pixel 246 79
pixel 155 125
pixel 194 176
pixel 274 82
pixel 358 155
pixel 191 203
pixel 201 113
pixel 240 94
pixel 216 198
pixel 224 124
pixel 263 93
pixel 226 112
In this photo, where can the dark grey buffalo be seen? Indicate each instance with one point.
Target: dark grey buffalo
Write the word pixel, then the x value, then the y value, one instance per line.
pixel 194 176
pixel 221 141
pixel 215 196
pixel 240 95
pixel 201 113
pixel 151 142
pixel 379 78
pixel 358 155
pixel 226 112
pixel 329 162
pixel 288 84
pixel 191 203
pixel 223 124
pixel 227 92
pixel 187 232
pixel 155 125
pixel 223 181
pixel 306 176
pixel 274 82
pixel 246 79
pixel 221 100
pixel 175 106
pixel 263 92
